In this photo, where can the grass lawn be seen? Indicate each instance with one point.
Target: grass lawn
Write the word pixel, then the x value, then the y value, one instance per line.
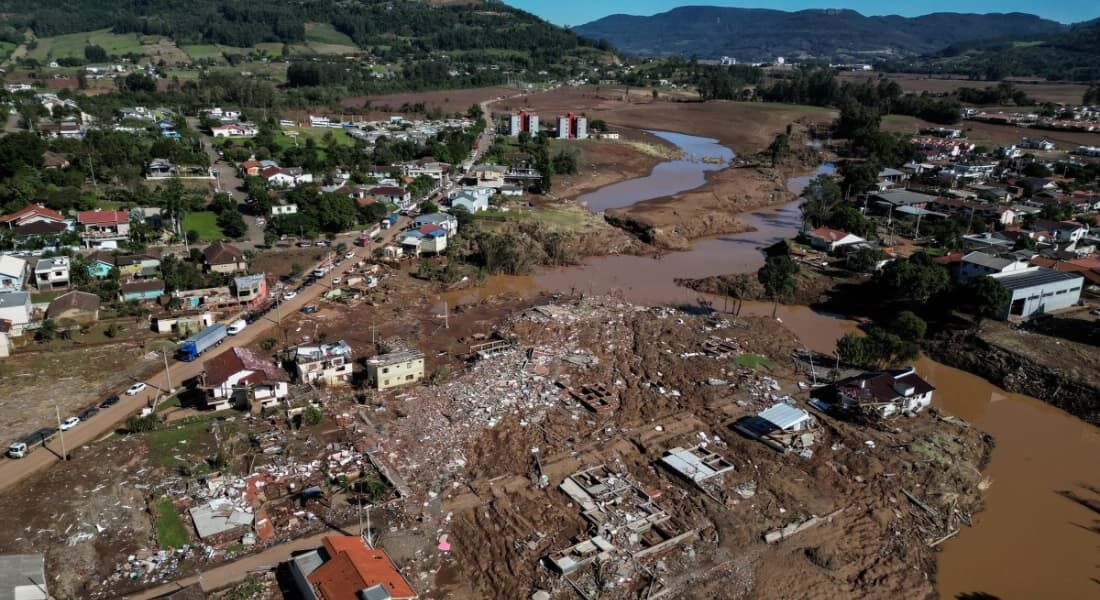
pixel 6 48
pixel 73 44
pixel 201 51
pixel 206 223
pixel 325 33
pixel 171 532
pixel 184 443
pixel 317 134
pixel 754 360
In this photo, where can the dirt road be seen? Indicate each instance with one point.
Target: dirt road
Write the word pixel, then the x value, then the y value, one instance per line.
pixel 13 471
pixel 234 572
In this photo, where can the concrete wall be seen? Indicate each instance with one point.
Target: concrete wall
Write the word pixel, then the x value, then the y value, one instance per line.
pixel 1027 302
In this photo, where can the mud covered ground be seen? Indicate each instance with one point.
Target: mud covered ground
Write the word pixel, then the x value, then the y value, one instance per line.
pixel 466 450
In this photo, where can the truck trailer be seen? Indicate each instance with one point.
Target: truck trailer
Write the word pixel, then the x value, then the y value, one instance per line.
pixel 202 341
pixel 22 447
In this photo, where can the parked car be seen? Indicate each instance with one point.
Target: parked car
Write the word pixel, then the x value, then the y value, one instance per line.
pixel 69 423
pixel 304 244
pixel 320 243
pixel 309 309
pixel 336 281
pixel 135 389
pixel 289 295
pixel 350 255
pixel 236 327
pixel 109 401
pixel 88 413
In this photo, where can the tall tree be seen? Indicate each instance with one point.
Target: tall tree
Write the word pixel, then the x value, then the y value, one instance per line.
pixel 777 277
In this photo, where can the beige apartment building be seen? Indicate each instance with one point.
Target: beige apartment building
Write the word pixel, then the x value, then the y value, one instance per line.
pixel 386 371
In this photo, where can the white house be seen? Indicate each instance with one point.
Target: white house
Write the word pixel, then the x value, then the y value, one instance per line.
pixel 448 222
pixel 885 393
pixel 1039 290
pixel 473 199
pixel 13 272
pixel 227 130
pixel 977 263
pixel 828 240
pixel 16 307
pixel 52 273
pixel 240 376
pixel 284 209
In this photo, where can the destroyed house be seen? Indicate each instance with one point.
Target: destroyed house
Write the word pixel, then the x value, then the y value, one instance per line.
pixel 884 393
pixel 697 464
pixel 328 364
pixel 782 427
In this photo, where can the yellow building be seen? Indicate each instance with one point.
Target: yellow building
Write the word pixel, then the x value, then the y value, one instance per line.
pixel 386 371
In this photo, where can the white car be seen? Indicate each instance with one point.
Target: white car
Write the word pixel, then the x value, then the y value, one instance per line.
pixel 350 255
pixel 336 281
pixel 133 390
pixel 290 295
pixel 236 327
pixel 69 423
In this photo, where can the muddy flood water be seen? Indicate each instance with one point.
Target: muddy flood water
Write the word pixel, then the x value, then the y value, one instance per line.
pixel 1031 541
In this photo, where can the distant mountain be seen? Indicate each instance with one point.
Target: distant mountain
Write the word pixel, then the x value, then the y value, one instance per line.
pixel 763 34
pixel 1070 54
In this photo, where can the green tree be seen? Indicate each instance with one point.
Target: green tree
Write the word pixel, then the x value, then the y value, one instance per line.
pixel 908 326
pixel 777 277
pixel 983 297
pixel 312 416
pixel 820 199
pixel 47 331
pixel 779 148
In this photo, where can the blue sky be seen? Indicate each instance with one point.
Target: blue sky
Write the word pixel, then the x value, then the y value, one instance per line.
pixel 578 12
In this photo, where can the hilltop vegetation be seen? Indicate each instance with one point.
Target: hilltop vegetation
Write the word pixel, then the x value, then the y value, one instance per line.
pixel 762 35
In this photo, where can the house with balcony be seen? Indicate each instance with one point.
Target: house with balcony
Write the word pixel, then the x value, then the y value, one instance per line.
pixel 104 228
pixel 51 273
pixel 240 377
pixel 325 364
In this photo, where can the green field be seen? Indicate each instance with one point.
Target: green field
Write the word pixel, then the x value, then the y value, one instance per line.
pixel 6 48
pixel 206 223
pixel 73 44
pixel 171 532
pixel 754 360
pixel 201 51
pixel 317 134
pixel 325 33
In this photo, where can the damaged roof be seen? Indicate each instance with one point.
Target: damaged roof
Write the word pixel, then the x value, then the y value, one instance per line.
pixel 227 364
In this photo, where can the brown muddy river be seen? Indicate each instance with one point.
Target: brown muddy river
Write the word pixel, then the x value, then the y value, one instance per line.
pixel 1031 541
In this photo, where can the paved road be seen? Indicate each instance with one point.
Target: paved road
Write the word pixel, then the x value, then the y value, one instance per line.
pixel 13 471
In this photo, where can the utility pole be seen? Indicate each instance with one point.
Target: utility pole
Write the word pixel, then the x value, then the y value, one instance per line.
pixel 167 371
pixel 64 454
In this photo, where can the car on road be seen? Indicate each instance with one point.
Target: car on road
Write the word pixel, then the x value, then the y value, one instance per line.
pixel 135 389
pixel 88 413
pixel 289 295
pixel 309 309
pixel 109 401
pixel 336 281
pixel 304 245
pixel 69 423
pixel 350 255
pixel 236 327
pixel 320 243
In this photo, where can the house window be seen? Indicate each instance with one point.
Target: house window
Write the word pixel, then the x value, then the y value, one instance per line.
pixel 385 369
pixel 408 377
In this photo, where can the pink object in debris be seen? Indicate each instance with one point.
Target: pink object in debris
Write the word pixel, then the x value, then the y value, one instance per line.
pixel 444 545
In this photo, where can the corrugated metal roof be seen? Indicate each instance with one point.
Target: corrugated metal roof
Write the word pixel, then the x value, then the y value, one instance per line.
pixel 1037 277
pixel 784 416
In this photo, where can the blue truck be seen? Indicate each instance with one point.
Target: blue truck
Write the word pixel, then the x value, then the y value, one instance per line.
pixel 192 347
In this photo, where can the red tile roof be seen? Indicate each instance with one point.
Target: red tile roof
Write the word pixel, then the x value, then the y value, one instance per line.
pixel 30 210
pixel 223 366
pixel 103 217
pixel 354 567
pixel 220 253
pixel 833 235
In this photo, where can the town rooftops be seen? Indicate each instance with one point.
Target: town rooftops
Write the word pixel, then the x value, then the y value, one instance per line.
pixel 832 235
pixel 39 228
pixel 12 266
pixel 49 264
pixel 14 299
pixel 103 217
pixel 435 218
pixel 73 300
pixel 223 366
pixel 322 352
pixel 220 253
pixel 393 358
pixel 353 568
pixel 1034 277
pixel 387 190
pixel 904 197
pixel 784 416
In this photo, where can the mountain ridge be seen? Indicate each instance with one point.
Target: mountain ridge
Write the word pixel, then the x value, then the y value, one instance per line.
pixel 760 34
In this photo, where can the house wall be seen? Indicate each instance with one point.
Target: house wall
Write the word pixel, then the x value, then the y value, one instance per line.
pixel 235 267
pixel 390 376
pixel 1027 302
pixel 969 270
pixel 332 371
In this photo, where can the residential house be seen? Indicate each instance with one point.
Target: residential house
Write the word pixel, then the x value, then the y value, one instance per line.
pixel 99 264
pixel 1087 267
pixel 15 307
pixel 995 241
pixel 782 427
pixel 141 290
pixel 978 263
pixel 888 178
pixel 829 240
pixel 224 258
pixel 51 273
pixel 222 114
pixel 892 199
pixel 240 377
pixel 23 577
pixel 387 371
pixel 240 130
pixel 13 273
pixel 47 231
pixel 439 171
pixel 276 176
pixel 394 195
pixel 75 307
pixel 474 200
pixel 138 266
pixel 160 167
pixel 448 222
pixel 430 239
pixel 32 213
pixel 344 568
pixel 488 176
pixel 283 208
pixel 251 167
pixel 1039 290
pixel 883 394
pixel 327 364
pixel 250 289
pixel 104 228
pixel 1062 231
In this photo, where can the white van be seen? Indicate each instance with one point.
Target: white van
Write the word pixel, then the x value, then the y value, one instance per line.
pixel 236 327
